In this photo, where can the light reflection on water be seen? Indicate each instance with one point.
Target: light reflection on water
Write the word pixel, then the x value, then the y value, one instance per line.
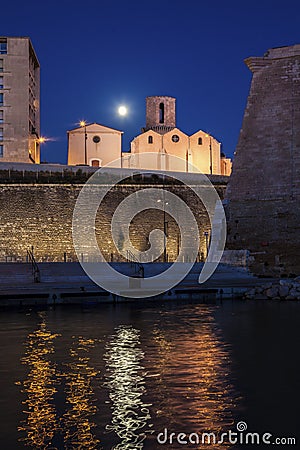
pixel 77 424
pixel 40 386
pixel 126 384
pixel 172 370
pixel 194 391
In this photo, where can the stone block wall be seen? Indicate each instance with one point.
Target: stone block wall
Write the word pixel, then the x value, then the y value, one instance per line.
pixel 40 215
pixel 264 189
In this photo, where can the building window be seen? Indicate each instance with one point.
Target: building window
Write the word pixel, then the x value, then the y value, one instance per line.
pixel 1 134
pixel 3 46
pixel 1 82
pixel 175 138
pixel 95 163
pixel 96 139
pixel 1 151
pixel 1 116
pixel 150 139
pixel 161 113
pixel 200 141
pixel 1 65
pixel 1 99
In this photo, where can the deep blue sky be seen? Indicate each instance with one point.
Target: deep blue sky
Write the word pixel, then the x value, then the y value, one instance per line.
pixel 95 55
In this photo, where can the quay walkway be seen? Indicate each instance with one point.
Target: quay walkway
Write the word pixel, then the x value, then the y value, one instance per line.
pixel 67 283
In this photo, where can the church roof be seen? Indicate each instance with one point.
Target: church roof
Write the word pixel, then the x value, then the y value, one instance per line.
pixel 206 134
pixel 99 127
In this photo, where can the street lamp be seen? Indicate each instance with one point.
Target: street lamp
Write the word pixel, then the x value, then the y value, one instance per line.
pixel 206 241
pixel 210 155
pixel 165 233
pixel 36 156
pixel 83 125
pixel 165 228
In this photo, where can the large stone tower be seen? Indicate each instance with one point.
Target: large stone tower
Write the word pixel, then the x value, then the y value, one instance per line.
pixel 160 114
pixel 264 188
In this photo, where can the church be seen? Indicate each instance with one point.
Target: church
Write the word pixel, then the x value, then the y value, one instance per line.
pixel 198 152
pixel 154 149
pixel 94 145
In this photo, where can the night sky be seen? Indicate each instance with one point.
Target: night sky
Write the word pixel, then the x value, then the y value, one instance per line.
pixel 96 55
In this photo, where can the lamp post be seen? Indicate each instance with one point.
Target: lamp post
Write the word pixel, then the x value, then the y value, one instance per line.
pixel 165 222
pixel 37 141
pixel 165 234
pixel 210 155
pixel 165 229
pixel 206 241
pixel 83 125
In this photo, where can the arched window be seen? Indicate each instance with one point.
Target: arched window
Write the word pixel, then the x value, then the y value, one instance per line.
pixel 200 141
pixel 150 139
pixel 161 113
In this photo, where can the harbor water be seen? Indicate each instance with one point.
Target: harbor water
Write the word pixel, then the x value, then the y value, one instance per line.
pixel 126 376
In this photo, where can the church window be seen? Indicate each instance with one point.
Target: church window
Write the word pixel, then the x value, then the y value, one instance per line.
pixel 161 113
pixel 150 139
pixel 96 139
pixel 200 141
pixel 175 138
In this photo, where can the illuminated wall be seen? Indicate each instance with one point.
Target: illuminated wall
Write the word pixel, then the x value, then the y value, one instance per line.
pixel 40 215
pixel 201 150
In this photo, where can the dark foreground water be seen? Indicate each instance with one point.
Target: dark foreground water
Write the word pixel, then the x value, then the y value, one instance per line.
pixel 117 376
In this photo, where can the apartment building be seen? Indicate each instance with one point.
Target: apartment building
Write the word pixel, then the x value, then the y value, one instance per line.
pixel 19 101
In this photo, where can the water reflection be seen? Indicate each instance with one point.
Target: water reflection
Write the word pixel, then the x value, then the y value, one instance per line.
pixel 179 367
pixel 192 375
pixel 41 423
pixel 126 383
pixel 77 424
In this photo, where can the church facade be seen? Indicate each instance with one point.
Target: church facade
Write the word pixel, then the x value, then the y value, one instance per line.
pixel 198 152
pixel 94 145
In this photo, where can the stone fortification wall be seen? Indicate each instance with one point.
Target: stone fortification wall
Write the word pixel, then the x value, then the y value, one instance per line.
pixel 40 215
pixel 264 188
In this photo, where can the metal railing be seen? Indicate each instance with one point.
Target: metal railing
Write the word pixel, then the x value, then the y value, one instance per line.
pixel 139 268
pixel 34 267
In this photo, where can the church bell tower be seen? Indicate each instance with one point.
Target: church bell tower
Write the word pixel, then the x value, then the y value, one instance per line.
pixel 160 114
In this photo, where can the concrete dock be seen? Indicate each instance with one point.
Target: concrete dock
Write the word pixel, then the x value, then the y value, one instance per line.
pixel 67 283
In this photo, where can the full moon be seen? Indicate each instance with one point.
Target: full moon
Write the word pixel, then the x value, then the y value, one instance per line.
pixel 122 110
